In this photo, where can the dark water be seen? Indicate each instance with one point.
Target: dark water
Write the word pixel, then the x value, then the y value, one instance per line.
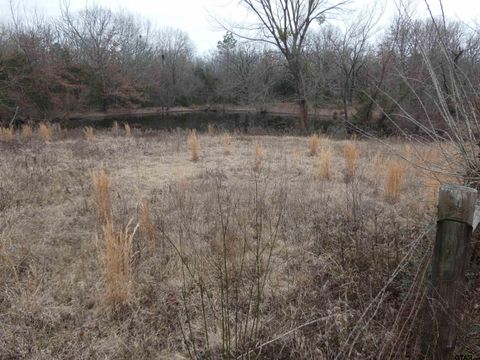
pixel 245 122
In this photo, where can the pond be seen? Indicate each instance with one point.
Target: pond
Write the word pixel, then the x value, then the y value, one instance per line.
pixel 244 122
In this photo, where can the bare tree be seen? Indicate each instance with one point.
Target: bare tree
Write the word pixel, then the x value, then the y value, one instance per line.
pixel 285 24
pixel 175 51
pixel 351 47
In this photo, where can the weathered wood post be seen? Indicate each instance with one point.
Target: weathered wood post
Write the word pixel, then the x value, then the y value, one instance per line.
pixel 456 208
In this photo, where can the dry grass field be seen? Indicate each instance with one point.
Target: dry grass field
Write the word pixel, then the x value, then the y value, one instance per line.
pixel 172 245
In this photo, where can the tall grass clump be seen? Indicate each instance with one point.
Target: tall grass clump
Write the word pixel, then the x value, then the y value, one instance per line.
pixel 351 154
pixel 258 157
pixel 227 144
pixel 56 130
pixel 394 181
pixel 211 129
pixel 313 145
pixel 101 195
pixel 194 145
pixel 128 130
pixel 115 128
pixel 88 133
pixel 324 171
pixel 26 132
pixel 7 134
pixel 146 224
pixel 45 131
pixel 297 160
pixel 116 257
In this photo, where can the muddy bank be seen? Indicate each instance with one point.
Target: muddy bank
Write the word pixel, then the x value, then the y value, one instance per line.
pixel 278 109
pixel 244 121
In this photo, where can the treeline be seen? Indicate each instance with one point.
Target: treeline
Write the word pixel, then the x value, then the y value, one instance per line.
pixel 97 60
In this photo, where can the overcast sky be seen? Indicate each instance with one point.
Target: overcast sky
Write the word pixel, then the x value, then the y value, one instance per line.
pixel 194 16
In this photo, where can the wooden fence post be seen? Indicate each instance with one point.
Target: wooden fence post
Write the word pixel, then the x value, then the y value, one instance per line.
pixel 456 211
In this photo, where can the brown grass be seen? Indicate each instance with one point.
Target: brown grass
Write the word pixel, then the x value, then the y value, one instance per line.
pixel 26 132
pixel 116 257
pixel 7 134
pixel 194 146
pixel 258 157
pixel 313 145
pixel 297 160
pixel 324 171
pixel 351 153
pixel 45 131
pixel 227 144
pixel 88 133
pixel 146 224
pixel 272 264
pixel 115 128
pixel 394 181
pixel 101 195
pixel 128 130
pixel 211 129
